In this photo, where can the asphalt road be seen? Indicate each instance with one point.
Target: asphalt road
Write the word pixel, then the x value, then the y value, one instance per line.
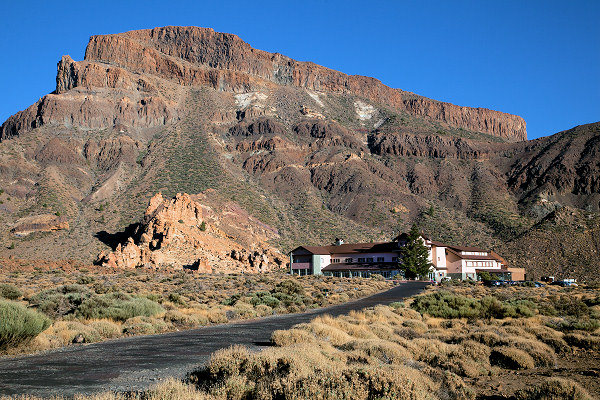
pixel 137 362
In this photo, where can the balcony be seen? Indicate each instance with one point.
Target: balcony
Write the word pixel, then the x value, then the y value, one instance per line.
pixel 299 265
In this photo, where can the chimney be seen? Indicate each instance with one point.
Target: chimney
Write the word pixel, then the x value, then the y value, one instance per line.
pixel 339 242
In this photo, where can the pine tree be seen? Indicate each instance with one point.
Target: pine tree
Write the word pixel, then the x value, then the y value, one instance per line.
pixel 415 255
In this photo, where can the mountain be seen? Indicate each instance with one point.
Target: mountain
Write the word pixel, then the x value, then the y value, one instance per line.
pixel 314 153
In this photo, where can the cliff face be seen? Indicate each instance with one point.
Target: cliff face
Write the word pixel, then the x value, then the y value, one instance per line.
pixel 194 56
pixel 190 56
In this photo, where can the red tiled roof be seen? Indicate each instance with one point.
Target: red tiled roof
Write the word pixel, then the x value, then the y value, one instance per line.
pixel 469 257
pixel 351 248
pixel 492 270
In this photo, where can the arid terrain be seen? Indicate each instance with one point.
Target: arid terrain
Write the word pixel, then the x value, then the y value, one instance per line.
pixel 452 342
pixel 80 306
pixel 308 153
pixel 162 185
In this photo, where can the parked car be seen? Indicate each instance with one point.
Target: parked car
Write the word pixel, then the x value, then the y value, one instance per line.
pixel 495 283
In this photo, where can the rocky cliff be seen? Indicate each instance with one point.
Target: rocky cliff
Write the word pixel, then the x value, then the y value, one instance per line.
pixel 191 56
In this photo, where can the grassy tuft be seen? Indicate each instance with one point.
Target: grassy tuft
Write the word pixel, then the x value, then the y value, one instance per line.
pixel 19 324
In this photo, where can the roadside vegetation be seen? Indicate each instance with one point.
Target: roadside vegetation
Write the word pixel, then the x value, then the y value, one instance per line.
pixel 44 309
pixel 454 342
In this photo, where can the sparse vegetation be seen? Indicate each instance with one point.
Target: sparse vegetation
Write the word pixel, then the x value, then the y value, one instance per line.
pixel 87 308
pixel 396 351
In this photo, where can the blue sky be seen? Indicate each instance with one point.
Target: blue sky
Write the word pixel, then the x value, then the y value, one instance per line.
pixel 536 59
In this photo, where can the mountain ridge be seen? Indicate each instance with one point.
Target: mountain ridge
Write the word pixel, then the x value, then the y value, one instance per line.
pixel 201 56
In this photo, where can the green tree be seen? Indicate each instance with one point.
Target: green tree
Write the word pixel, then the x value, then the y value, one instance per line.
pixel 415 255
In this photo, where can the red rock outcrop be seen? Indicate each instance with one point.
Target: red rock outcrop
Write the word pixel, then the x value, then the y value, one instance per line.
pixel 182 233
pixel 39 223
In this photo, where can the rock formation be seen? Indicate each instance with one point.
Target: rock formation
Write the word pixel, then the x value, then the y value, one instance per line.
pixel 183 234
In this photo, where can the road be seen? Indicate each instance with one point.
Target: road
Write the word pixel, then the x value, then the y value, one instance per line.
pixel 135 363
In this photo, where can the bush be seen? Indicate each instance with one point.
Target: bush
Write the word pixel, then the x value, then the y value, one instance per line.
pixel 19 324
pixel 60 301
pixel 554 388
pixel 583 341
pixel 106 329
pixel 291 336
pixel 289 287
pixel 510 358
pixel 142 325
pixel 118 307
pixel 10 292
pixel 443 304
pixel 264 298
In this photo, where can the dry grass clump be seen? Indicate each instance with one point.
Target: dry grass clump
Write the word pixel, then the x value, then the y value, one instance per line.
pixel 541 353
pixel 511 358
pixel 185 319
pixel 385 352
pixel 144 326
pixel 583 340
pixel 326 333
pixel 309 371
pixel 292 336
pixel 169 389
pixel 554 389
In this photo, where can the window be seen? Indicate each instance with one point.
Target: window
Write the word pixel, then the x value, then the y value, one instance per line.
pixel 349 260
pixel 335 260
pixel 394 259
pixel 380 259
pixel 361 260
pixel 369 260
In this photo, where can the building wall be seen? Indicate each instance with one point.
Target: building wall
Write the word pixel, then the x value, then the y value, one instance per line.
pixel 387 256
pixel 479 264
pixel 453 263
pixel 438 255
pixel 517 274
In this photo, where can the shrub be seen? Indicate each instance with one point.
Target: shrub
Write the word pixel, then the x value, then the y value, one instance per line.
pixel 106 329
pixel 74 332
pixel 10 292
pixel 118 307
pixel 85 279
pixel 397 304
pixel 142 325
pixel 60 301
pixel 510 358
pixel 384 351
pixel 176 298
pixel 19 324
pixel 554 388
pixel 571 324
pixel 264 298
pixel 584 341
pixel 263 310
pixel 444 304
pixel 291 336
pixel 289 287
